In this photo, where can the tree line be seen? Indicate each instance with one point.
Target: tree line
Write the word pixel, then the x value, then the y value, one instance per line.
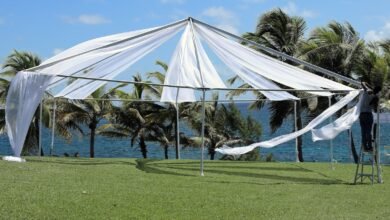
pixel 336 47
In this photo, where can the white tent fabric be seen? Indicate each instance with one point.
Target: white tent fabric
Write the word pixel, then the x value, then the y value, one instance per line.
pixel 26 90
pixel 106 57
pixel 189 66
pixel 115 65
pixel 86 59
pixel 244 61
pixel 287 137
pixel 331 130
pixel 13 159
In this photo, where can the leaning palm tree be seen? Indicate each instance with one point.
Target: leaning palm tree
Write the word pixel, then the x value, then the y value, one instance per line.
pixel 72 114
pixel 15 62
pixel 279 31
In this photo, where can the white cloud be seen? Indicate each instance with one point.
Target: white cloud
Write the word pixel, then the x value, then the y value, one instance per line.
pixel 292 9
pixel 377 35
pixel 173 1
pixel 57 51
pixel 86 19
pixel 222 18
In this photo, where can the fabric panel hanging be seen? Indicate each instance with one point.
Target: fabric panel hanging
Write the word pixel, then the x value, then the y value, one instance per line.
pixel 287 137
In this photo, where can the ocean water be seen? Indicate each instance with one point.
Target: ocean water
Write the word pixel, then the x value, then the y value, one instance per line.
pixel 312 151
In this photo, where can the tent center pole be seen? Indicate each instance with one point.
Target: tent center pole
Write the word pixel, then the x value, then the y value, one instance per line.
pixel 202 133
pixel 177 126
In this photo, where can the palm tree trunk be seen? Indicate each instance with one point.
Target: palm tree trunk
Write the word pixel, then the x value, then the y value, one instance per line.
pixel 166 151
pixel 299 125
pixel 92 141
pixel 143 148
pixel 212 150
pixel 37 125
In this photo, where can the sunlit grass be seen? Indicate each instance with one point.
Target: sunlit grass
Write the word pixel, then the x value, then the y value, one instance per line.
pixel 64 188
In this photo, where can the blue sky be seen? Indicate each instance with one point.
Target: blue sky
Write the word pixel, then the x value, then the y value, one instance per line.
pixel 46 27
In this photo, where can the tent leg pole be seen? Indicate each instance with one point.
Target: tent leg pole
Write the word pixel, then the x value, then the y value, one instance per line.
pixel 53 128
pixel 177 130
pixel 40 128
pixel 296 129
pixel 377 148
pixel 177 126
pixel 331 140
pixel 203 119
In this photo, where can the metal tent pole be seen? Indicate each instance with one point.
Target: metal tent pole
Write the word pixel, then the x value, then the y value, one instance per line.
pixel 40 128
pixel 203 119
pixel 53 127
pixel 377 147
pixel 331 140
pixel 203 96
pixel 296 129
pixel 177 125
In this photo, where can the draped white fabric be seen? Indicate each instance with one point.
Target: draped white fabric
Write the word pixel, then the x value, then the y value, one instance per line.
pixel 287 137
pixel 343 123
pixel 23 98
pixel 100 58
pixel 115 65
pixel 189 66
pixel 250 64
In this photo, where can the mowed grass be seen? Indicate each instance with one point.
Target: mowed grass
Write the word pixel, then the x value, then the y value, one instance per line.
pixel 66 188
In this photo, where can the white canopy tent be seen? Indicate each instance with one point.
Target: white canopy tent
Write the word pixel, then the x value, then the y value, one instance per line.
pixel 94 63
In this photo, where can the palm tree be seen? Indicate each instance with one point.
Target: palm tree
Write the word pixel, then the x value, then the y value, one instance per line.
pixel 129 120
pixel 279 31
pixel 15 62
pixel 166 117
pixel 223 125
pixel 337 47
pixel 91 111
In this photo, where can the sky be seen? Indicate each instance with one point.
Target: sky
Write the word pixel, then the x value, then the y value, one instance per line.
pixel 47 27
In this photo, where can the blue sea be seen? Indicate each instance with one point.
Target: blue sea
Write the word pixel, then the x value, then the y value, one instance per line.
pixel 312 151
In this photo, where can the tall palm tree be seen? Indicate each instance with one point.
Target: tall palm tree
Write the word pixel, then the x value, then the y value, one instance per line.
pixel 73 114
pixel 279 31
pixel 15 62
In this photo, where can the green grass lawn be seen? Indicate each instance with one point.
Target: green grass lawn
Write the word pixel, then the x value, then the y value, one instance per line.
pixel 65 188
